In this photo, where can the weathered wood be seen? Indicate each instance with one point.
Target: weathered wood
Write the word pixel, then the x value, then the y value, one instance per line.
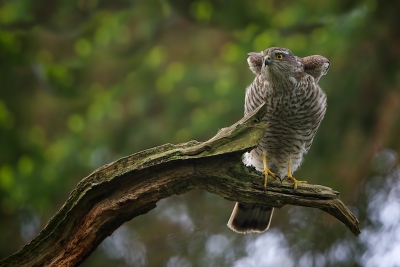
pixel 131 186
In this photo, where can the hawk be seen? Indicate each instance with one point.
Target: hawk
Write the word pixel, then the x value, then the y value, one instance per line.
pixel 296 106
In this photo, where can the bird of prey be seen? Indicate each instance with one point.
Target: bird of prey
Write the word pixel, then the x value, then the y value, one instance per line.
pixel 296 106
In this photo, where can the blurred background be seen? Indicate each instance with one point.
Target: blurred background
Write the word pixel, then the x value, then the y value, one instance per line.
pixel 86 82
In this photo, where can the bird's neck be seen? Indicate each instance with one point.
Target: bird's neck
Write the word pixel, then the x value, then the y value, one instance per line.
pixel 281 84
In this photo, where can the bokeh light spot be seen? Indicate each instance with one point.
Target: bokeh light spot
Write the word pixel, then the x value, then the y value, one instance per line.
pixel 83 47
pixel 76 123
pixel 6 176
pixel 202 10
pixel 25 165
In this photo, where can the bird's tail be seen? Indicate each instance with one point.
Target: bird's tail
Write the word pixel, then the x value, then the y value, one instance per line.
pixel 250 218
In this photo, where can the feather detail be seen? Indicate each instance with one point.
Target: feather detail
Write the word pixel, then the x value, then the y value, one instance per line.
pixel 296 106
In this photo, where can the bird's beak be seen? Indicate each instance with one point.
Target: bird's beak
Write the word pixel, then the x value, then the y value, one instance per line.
pixel 267 60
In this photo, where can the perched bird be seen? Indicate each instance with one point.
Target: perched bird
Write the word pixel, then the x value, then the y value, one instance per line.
pixel 296 106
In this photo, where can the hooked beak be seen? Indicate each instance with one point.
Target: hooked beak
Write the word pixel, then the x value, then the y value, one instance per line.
pixel 267 60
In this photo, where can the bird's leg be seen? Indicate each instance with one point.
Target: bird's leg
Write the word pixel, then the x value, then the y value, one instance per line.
pixel 267 171
pixel 290 176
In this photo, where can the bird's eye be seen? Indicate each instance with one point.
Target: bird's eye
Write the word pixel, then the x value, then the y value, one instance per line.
pixel 279 56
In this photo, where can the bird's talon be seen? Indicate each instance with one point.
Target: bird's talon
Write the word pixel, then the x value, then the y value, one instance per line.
pixel 290 176
pixel 280 180
pixel 295 181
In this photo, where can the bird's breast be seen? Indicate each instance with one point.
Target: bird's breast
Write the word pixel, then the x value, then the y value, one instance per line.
pixel 293 118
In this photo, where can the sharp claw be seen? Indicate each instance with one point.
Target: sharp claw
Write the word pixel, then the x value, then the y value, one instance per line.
pixel 280 179
pixel 290 176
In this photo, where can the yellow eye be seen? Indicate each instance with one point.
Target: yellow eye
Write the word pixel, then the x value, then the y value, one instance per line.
pixel 279 56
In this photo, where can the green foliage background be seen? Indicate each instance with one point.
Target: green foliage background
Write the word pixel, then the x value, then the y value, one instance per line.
pixel 83 83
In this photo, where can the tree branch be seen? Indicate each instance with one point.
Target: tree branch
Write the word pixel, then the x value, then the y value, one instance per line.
pixel 131 186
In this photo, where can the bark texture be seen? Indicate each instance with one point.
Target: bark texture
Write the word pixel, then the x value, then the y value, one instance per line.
pixel 131 186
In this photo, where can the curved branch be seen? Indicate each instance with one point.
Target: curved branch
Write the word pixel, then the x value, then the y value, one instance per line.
pixel 131 186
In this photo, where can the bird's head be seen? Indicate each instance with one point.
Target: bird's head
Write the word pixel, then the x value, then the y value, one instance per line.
pixel 280 62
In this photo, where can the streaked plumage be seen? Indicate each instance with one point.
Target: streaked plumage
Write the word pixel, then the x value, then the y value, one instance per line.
pixel 296 106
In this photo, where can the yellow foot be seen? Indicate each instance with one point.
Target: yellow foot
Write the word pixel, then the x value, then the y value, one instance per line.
pixel 267 171
pixel 295 181
pixel 290 176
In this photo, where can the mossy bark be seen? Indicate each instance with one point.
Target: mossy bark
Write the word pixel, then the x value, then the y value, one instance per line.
pixel 131 186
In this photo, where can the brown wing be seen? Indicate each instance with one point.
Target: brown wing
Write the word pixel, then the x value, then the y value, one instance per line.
pixel 255 61
pixel 316 66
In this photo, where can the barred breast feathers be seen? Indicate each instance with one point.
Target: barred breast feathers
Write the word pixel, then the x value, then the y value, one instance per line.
pixel 256 94
pixel 294 115
pixel 296 106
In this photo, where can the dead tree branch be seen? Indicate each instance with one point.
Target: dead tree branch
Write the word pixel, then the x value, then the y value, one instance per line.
pixel 131 186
